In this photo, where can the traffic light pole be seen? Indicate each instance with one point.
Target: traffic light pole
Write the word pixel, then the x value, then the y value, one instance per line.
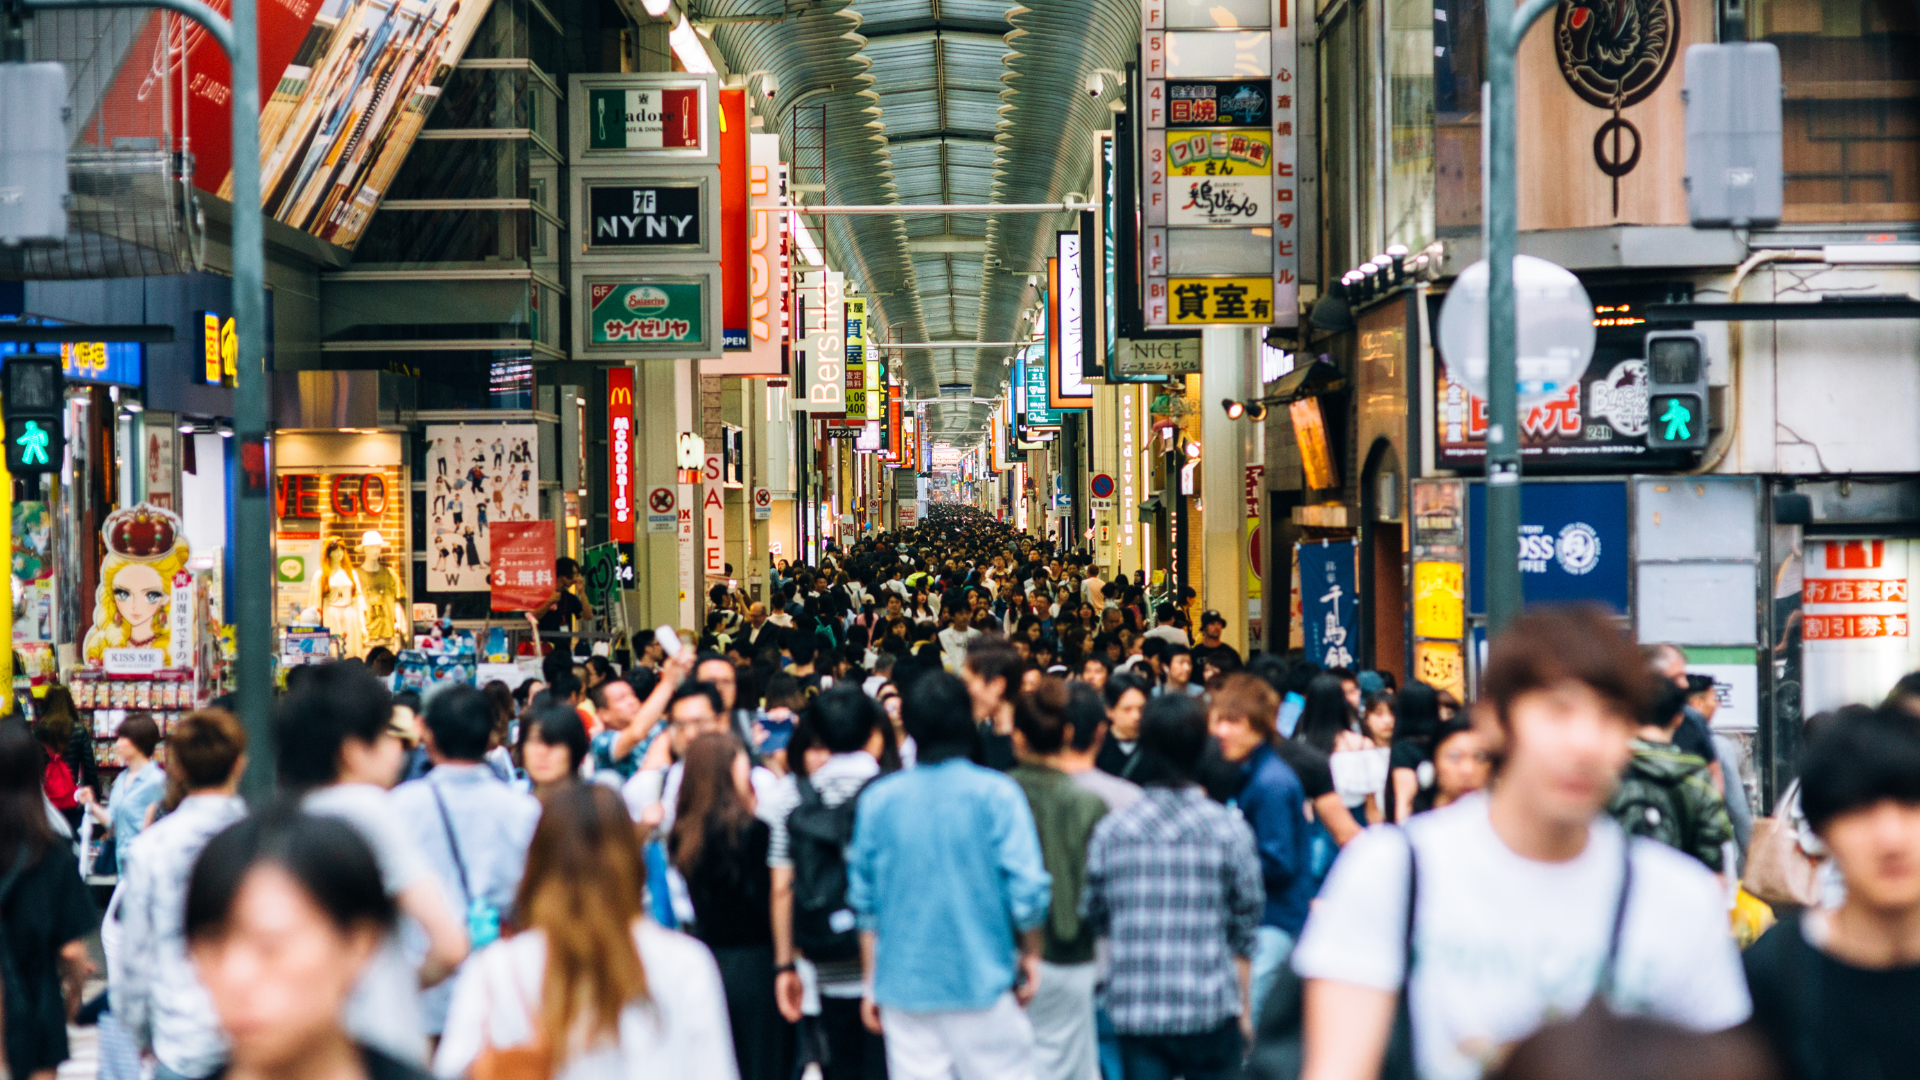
pixel 247 473
pixel 1506 26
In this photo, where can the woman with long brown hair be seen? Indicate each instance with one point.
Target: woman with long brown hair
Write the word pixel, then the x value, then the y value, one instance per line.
pixel 720 848
pixel 590 989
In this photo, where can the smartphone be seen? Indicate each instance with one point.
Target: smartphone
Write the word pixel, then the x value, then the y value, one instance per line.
pixel 669 641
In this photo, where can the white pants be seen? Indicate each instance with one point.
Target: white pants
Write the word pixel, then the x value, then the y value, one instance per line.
pixel 1065 1044
pixel 994 1043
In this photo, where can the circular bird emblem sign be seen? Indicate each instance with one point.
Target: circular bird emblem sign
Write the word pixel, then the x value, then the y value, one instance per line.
pixel 1615 52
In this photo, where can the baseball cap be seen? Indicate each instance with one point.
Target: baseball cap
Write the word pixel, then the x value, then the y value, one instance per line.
pixel 1211 616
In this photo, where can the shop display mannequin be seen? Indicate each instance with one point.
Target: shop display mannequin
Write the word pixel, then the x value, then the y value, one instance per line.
pixel 386 597
pixel 343 608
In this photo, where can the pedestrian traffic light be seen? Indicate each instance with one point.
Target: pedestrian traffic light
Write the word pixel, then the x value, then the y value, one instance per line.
pixel 35 401
pixel 1676 390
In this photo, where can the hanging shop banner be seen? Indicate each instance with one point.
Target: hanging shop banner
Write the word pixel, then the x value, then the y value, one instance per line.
pixel 520 564
pixel 654 216
pixel 1205 103
pixel 1439 600
pixel 858 406
pixel 1441 665
pixel 820 349
pixel 638 316
pixel 1329 602
pixel 765 354
pixel 1067 386
pixel 1157 356
pixel 620 508
pixel 713 518
pixel 1238 301
pixel 735 229
pixel 1439 519
pixel 632 117
pixel 1573 544
pixel 1031 389
pixel 1220 177
pixel 478 475
pixel 1217 151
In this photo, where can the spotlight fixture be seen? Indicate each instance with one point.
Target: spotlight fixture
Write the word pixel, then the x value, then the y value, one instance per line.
pixel 1192 450
pixel 1235 410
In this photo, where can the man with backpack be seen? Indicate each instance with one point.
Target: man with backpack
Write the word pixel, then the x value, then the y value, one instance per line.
pixel 1667 794
pixel 810 821
pixel 1479 922
pixel 945 875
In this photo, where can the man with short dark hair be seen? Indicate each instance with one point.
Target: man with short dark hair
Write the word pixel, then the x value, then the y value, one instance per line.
pixel 558 612
pixel 1836 990
pixel 335 744
pixel 1064 813
pixel 1529 879
pixel 1666 793
pixel 847 722
pixel 473 829
pixel 1164 628
pixel 1173 884
pixel 992 671
pixel 155 992
pixel 946 879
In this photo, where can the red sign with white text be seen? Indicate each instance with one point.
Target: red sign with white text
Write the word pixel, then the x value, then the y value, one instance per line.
pixel 620 509
pixel 522 559
pixel 735 230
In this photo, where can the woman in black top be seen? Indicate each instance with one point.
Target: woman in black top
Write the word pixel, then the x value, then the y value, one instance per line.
pixel 45 912
pixel 1416 722
pixel 721 849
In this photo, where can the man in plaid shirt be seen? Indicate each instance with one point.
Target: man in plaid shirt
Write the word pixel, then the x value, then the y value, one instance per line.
pixel 1173 884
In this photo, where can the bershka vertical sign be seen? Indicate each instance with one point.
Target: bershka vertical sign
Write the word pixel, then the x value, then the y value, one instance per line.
pixel 735 273
pixel 620 509
pixel 821 352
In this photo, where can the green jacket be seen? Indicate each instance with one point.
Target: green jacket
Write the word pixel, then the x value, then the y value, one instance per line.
pixel 1667 795
pixel 1064 813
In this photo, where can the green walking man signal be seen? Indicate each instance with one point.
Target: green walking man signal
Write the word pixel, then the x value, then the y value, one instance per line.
pixel 1676 417
pixel 1677 363
pixel 33 443
pixel 35 405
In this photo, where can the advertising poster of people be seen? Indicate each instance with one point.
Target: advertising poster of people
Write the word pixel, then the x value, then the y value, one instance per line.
pixel 477 474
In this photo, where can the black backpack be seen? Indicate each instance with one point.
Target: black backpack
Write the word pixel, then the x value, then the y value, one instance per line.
pixel 817 838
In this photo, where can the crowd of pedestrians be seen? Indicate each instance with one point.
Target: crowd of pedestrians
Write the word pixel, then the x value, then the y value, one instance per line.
pixel 949 804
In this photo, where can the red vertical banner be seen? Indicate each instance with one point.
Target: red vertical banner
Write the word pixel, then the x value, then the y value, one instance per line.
pixel 736 230
pixel 620 454
pixel 894 447
pixel 522 560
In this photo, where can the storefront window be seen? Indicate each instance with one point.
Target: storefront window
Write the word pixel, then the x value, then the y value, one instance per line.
pixel 1852 110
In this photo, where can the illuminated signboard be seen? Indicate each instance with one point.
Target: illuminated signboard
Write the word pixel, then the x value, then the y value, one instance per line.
pixel 620 453
pixel 118 363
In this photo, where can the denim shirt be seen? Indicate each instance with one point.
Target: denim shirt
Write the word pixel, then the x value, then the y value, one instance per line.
pixel 945 869
pixel 128 801
pixel 1272 801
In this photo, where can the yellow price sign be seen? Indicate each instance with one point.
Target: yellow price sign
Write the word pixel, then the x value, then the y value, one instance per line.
pixel 1441 665
pixel 1439 600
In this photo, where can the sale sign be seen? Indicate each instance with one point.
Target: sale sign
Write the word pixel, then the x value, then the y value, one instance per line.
pixel 521 576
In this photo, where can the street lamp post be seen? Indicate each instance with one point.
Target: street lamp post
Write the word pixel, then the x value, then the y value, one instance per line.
pixel 253 562
pixel 1506 26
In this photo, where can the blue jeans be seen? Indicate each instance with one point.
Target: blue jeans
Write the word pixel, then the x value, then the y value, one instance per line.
pixel 1272 948
pixel 1211 1055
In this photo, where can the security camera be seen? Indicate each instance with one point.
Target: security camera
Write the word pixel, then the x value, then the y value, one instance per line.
pixel 770 85
pixel 1094 85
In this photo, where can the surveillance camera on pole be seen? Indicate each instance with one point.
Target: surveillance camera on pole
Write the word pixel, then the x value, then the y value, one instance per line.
pixel 33 155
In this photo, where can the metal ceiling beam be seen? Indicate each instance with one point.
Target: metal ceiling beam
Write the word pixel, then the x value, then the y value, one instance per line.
pixel 906 209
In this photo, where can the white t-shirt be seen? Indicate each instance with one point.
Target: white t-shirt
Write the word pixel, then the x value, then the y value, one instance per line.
pixel 384 1010
pixel 679 1030
pixel 1503 942
pixel 953 646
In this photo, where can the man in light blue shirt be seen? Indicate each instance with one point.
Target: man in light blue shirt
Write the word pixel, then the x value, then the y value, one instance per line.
pixel 944 871
pixel 473 829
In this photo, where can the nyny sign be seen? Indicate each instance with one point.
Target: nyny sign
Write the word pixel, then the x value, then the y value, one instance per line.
pixel 665 215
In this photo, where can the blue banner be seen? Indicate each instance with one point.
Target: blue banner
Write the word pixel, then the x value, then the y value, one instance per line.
pixel 116 362
pixel 1329 602
pixel 1573 544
